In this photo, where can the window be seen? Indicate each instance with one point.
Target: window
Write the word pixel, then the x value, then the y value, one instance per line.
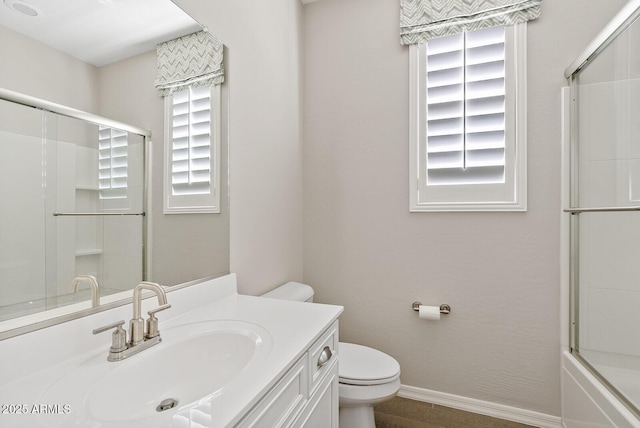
pixel 113 147
pixel 192 153
pixel 468 134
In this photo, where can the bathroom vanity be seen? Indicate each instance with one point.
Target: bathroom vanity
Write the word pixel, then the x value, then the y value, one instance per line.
pixel 225 360
pixel 307 396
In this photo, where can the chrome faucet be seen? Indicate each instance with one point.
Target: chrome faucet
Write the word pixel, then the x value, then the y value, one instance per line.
pixel 95 290
pixel 139 340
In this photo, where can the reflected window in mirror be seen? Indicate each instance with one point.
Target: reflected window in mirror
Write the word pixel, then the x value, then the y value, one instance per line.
pixel 192 151
pixel 112 163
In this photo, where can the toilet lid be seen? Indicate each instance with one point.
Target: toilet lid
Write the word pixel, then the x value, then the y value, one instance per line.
pixel 360 365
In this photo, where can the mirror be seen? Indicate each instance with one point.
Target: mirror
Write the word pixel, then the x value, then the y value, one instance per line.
pixel 114 77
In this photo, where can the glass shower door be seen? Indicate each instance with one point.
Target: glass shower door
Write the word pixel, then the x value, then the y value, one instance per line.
pixel 72 195
pixel 605 221
pixel 23 189
pixel 97 211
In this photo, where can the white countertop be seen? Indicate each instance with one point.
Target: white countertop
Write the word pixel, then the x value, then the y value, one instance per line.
pixel 31 362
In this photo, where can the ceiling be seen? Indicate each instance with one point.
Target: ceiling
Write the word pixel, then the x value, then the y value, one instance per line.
pixel 98 32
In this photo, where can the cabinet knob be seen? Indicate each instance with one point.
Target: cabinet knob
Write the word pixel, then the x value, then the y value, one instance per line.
pixel 325 356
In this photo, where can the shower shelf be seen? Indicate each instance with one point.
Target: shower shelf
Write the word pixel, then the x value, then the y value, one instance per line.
pixel 91 252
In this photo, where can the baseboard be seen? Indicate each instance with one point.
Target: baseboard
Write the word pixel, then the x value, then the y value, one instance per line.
pixel 500 411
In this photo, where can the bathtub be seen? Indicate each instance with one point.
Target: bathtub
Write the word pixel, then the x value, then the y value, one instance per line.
pixel 587 403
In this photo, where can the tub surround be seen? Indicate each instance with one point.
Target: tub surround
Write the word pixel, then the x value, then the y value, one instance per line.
pixel 31 363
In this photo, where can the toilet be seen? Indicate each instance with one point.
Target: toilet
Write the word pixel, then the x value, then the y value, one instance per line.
pixel 367 376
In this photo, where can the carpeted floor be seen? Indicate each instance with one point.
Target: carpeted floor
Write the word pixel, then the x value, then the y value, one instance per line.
pixel 405 413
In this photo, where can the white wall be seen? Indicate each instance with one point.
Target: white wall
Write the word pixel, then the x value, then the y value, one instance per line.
pixel 64 79
pixel 362 247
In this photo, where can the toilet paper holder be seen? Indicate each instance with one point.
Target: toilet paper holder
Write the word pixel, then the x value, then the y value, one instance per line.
pixel 444 308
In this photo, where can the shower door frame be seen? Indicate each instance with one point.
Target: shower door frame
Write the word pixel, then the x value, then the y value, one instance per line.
pixel 570 221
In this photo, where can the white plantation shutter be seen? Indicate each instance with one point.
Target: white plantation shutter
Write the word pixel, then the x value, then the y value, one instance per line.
pixel 468 98
pixel 190 73
pixel 192 175
pixel 113 149
pixel 191 142
pixel 466 108
pixel 468 121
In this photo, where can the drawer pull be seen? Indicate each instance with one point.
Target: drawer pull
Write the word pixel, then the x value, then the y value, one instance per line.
pixel 325 356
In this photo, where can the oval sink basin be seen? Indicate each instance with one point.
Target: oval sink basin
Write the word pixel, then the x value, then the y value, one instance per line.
pixel 192 362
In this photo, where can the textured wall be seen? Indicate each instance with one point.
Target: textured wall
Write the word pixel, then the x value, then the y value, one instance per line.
pixel 362 247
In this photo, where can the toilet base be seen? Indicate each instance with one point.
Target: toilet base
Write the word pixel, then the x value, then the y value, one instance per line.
pixel 357 417
pixel 356 402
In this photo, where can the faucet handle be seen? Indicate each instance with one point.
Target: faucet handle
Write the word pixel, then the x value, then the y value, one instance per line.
pixel 119 337
pixel 158 309
pixel 152 321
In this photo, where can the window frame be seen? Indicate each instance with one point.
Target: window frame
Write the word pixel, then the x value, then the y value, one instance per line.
pixel 510 196
pixel 198 203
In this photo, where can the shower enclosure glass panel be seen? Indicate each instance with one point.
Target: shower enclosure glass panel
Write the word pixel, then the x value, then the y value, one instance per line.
pixel 605 223
pixel 72 197
pixel 22 229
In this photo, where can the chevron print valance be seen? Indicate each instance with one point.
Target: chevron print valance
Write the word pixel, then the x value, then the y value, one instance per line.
pixel 192 60
pixel 421 20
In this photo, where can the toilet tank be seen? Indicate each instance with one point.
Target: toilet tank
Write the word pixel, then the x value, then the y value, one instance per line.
pixel 292 291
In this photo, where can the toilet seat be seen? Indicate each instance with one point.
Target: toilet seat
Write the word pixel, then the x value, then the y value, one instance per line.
pixel 361 365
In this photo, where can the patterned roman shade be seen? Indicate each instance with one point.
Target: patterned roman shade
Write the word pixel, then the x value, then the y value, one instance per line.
pixel 421 20
pixel 191 60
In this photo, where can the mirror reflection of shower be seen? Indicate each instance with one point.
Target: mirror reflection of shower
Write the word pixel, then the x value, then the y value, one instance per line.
pixel 114 77
pixel 73 210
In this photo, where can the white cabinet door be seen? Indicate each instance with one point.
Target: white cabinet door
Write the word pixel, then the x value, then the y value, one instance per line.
pixel 283 402
pixel 307 396
pixel 322 410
